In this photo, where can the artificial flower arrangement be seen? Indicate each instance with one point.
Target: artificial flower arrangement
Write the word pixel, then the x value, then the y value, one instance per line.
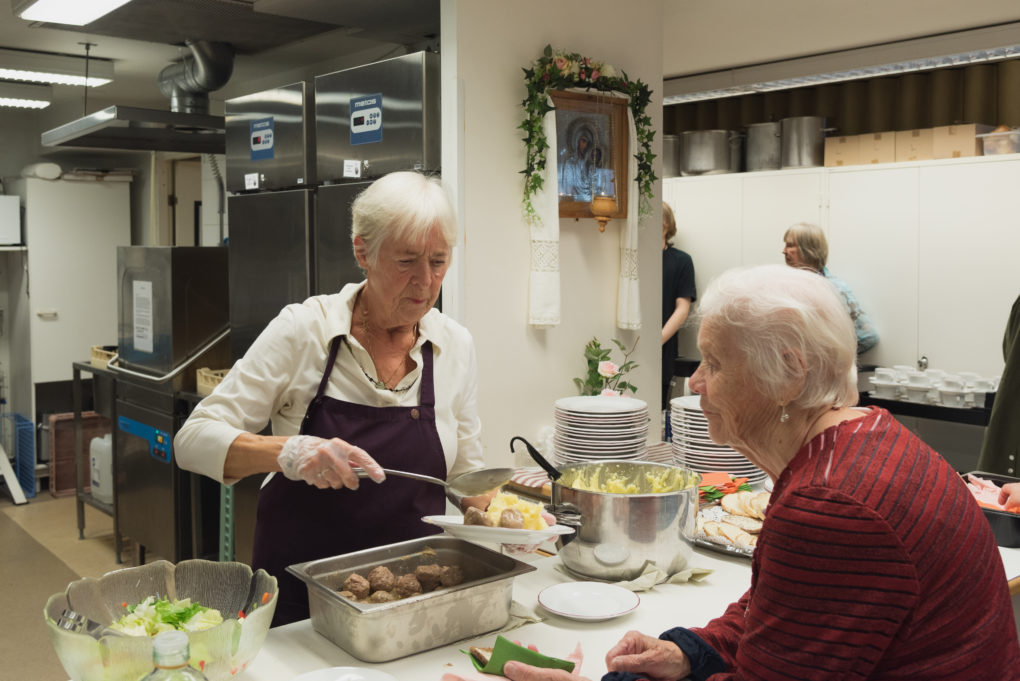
pixel 558 70
pixel 604 376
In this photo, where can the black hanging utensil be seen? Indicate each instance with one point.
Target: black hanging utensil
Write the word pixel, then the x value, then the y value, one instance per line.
pixel 554 474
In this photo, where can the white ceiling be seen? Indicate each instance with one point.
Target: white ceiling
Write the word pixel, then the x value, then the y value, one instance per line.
pixel 700 36
pixel 143 42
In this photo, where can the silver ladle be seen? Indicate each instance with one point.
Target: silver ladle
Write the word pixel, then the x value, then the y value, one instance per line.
pixel 470 484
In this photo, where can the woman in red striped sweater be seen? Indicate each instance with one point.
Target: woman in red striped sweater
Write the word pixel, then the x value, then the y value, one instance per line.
pixel 874 561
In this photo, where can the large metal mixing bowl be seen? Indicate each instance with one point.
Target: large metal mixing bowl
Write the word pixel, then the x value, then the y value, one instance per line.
pixel 617 533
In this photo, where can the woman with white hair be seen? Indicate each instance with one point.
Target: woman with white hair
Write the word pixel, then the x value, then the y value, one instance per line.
pixel 874 561
pixel 370 377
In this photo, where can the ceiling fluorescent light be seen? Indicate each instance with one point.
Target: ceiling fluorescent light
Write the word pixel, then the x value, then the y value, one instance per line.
pixel 21 96
pixel 58 69
pixel 924 54
pixel 74 12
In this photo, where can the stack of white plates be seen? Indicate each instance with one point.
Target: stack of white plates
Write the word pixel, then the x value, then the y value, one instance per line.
pixel 693 448
pixel 596 428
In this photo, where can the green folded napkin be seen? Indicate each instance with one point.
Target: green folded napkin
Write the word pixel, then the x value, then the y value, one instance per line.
pixel 505 651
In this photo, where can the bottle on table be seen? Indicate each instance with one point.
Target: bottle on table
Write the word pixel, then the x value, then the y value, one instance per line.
pixel 170 657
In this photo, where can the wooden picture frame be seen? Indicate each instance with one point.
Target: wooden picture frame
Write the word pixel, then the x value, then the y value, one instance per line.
pixel 591 150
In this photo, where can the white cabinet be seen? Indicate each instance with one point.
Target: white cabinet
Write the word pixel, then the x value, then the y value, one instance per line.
pixel 968 255
pixel 738 219
pixel 929 248
pixel 873 232
pixel 62 290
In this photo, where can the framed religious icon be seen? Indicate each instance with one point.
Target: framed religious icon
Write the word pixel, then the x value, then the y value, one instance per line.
pixel 591 154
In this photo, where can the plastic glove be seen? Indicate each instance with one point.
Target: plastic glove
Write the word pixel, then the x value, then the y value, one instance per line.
pixel 326 463
pixel 512 549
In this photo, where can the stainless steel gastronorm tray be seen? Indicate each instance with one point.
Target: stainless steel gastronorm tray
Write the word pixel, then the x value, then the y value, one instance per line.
pixel 380 632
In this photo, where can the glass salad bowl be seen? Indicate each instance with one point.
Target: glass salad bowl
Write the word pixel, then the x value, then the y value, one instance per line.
pixel 78 618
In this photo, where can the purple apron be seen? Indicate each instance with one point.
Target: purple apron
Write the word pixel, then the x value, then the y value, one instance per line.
pixel 296 522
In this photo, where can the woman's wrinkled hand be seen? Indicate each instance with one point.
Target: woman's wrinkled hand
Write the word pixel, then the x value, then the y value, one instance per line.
pixel 1009 495
pixel 326 463
pixel 641 654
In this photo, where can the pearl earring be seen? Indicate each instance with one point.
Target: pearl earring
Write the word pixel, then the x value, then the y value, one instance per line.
pixel 784 417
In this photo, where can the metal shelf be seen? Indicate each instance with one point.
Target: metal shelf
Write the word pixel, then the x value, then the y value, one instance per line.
pixel 83 498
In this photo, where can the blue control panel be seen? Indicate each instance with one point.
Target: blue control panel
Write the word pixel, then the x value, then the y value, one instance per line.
pixel 159 440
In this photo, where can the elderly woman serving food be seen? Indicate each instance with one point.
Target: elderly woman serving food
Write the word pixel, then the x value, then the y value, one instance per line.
pixel 370 377
pixel 874 561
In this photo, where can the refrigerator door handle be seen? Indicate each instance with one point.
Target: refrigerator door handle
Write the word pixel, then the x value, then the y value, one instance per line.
pixel 113 366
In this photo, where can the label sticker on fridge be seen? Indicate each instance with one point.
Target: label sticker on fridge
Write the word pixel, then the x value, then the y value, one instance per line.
pixel 261 138
pixel 251 180
pixel 352 168
pixel 366 119
pixel 141 298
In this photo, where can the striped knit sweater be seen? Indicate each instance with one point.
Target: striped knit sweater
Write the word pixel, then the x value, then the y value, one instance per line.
pixel 874 563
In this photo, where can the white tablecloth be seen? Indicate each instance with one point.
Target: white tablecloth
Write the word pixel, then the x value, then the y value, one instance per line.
pixel 296 648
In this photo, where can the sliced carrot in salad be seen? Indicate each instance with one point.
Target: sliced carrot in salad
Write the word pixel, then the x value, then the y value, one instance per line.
pixel 717 484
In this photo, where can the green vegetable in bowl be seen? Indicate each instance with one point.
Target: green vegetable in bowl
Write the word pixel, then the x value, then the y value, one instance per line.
pixel 152 616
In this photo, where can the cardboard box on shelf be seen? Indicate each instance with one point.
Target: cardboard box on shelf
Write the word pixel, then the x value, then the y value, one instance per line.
pixel 842 151
pixel 957 141
pixel 914 145
pixel 878 147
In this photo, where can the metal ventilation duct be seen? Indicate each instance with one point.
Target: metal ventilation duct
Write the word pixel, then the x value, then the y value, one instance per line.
pixel 189 82
pixel 187 127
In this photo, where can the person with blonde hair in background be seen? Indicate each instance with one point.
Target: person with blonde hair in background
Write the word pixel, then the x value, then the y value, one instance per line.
pixel 805 246
pixel 678 293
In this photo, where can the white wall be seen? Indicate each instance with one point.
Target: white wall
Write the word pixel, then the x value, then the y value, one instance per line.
pixel 522 371
pixel 708 35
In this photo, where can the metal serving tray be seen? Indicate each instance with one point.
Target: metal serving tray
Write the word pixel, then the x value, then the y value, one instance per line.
pixel 380 632
pixel 1005 525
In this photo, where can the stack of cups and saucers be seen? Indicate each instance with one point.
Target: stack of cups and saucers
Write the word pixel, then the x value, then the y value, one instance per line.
pixel 963 389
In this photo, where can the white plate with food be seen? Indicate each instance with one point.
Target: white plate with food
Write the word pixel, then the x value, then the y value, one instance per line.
pixel 588 601
pixel 454 525
pixel 345 674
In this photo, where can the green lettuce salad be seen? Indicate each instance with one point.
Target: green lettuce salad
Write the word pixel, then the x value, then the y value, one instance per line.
pixel 152 616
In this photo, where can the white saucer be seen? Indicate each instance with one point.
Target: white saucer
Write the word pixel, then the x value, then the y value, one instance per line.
pixel 345 674
pixel 588 601
pixel 454 525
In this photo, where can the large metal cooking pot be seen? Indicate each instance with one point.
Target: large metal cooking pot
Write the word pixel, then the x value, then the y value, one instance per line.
pixel 709 152
pixel 670 156
pixel 803 141
pixel 763 146
pixel 617 533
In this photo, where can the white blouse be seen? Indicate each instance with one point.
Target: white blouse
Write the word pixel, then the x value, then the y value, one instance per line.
pixel 280 373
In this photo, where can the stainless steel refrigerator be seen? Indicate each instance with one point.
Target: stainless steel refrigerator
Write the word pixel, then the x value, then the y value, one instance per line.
pixel 297 156
pixel 172 315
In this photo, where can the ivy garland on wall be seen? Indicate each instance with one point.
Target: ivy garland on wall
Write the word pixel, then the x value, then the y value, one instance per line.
pixel 557 70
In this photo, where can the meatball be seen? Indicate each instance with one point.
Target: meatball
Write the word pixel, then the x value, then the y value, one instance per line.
pixel 357 585
pixel 511 518
pixel 348 595
pixel 428 576
pixel 407 585
pixel 382 597
pixel 381 579
pixel 451 575
pixel 473 516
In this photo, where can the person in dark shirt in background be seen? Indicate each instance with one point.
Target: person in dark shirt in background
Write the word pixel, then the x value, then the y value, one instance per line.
pixel 678 293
